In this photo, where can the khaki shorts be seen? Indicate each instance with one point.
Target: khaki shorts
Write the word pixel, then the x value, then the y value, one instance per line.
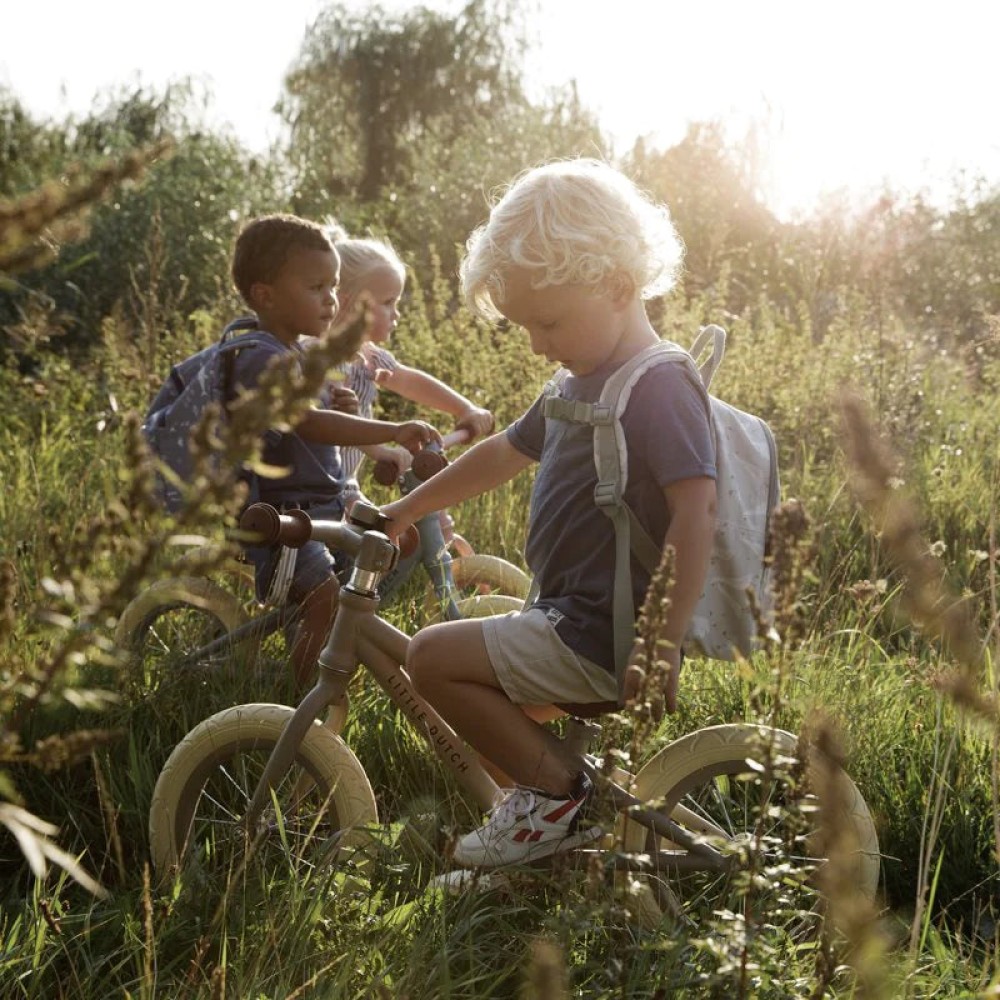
pixel 535 667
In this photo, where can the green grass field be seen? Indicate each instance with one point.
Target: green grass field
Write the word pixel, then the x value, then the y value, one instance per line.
pixel 871 651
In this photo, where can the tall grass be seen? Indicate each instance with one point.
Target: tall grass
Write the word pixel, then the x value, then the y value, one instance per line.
pixel 916 740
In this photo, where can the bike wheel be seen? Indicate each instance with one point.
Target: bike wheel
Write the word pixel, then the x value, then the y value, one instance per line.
pixel 319 810
pixel 490 573
pixel 742 807
pixel 487 605
pixel 497 583
pixel 173 618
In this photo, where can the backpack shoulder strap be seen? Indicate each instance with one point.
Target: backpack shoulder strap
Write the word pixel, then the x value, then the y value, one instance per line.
pixel 717 337
pixel 239 325
pixel 238 336
pixel 611 462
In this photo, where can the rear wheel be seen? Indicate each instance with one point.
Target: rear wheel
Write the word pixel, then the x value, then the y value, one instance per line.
pixel 487 585
pixel 173 618
pixel 717 784
pixel 319 810
pixel 487 605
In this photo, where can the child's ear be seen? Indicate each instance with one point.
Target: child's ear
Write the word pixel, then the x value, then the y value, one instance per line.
pixel 260 295
pixel 621 287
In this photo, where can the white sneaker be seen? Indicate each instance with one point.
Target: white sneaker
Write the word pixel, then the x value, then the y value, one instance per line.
pixel 462 879
pixel 527 824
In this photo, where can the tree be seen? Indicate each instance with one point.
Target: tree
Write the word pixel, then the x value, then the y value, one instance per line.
pixel 169 236
pixel 369 87
pixel 712 188
pixel 30 150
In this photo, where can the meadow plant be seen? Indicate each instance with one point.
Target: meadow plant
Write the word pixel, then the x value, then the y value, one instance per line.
pixel 67 622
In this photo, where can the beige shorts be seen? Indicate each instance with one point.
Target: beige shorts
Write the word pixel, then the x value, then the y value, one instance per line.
pixel 535 667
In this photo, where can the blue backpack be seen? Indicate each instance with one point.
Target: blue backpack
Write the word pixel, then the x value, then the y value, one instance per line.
pixel 179 406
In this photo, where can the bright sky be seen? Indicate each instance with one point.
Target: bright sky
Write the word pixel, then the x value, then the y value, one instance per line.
pixel 850 94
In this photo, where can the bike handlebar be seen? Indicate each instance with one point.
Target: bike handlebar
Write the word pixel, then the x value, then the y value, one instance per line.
pixel 295 527
pixel 427 462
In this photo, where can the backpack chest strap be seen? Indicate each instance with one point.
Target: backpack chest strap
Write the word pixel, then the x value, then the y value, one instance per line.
pixel 576 411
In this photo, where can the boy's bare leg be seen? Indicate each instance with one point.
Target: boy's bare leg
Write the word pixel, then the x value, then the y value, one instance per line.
pixel 450 667
pixel 317 617
pixel 539 713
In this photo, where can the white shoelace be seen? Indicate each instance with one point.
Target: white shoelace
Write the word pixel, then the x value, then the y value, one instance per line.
pixel 512 803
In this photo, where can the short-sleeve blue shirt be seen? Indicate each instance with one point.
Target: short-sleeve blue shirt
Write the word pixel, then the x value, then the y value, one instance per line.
pixel 570 548
pixel 315 475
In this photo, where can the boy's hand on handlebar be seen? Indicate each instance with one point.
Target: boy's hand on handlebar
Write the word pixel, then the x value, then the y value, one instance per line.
pixel 399 457
pixel 399 520
pixel 344 400
pixel 477 421
pixel 415 434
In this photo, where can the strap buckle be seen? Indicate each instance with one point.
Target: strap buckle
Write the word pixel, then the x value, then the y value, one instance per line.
pixel 577 411
pixel 601 414
pixel 607 494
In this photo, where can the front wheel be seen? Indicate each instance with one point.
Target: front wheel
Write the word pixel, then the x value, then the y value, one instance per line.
pixel 742 788
pixel 319 810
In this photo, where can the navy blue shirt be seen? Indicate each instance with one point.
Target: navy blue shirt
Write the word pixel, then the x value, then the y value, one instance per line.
pixel 570 548
pixel 315 472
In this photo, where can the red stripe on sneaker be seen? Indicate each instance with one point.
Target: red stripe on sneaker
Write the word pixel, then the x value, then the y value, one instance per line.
pixel 535 835
pixel 521 836
pixel 557 814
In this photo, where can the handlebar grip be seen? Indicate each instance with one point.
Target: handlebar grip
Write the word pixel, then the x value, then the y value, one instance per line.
pixel 293 529
pixel 427 463
pixel 454 438
pixel 385 472
pixel 408 541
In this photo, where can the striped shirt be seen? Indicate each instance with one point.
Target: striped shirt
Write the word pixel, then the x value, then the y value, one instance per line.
pixel 359 375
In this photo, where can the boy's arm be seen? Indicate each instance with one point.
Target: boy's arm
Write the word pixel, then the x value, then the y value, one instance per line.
pixel 691 504
pixel 333 427
pixel 425 390
pixel 483 467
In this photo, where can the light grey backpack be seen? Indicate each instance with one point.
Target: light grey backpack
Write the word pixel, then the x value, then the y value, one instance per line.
pixel 723 625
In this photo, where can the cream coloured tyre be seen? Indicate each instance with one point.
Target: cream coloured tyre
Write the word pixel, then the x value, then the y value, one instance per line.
pixel 459 547
pixel 239 572
pixel 324 804
pixel 487 605
pixel 752 811
pixel 484 576
pixel 174 617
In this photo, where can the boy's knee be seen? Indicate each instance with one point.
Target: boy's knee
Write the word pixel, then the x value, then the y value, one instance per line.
pixel 422 654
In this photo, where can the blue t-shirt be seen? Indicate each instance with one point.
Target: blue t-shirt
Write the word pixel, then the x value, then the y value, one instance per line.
pixel 315 475
pixel 571 545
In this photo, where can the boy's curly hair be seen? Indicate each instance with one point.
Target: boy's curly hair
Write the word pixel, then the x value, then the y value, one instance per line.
pixel 265 244
pixel 576 221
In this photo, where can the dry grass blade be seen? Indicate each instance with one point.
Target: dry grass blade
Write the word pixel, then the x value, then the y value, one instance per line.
pixel 942 615
pixel 33 837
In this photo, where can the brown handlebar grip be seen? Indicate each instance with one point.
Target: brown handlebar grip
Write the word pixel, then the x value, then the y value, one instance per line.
pixel 428 463
pixel 293 529
pixel 385 472
pixel 408 541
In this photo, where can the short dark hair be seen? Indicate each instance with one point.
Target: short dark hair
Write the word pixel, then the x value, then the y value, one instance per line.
pixel 265 244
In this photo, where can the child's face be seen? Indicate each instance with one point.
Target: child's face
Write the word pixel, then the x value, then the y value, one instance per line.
pixel 385 287
pixel 303 297
pixel 574 325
